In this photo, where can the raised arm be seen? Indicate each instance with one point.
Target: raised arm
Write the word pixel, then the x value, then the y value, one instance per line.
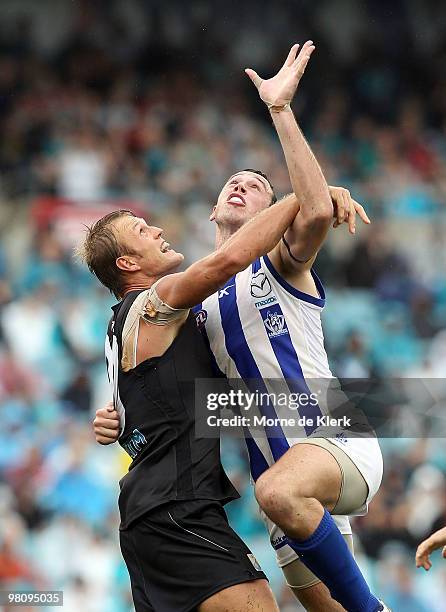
pixel 305 235
pixel 318 202
pixel 257 237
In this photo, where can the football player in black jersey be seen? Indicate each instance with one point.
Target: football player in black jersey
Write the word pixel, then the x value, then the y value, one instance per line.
pixel 178 546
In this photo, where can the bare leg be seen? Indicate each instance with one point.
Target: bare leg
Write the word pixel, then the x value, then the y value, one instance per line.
pixel 295 493
pixel 254 596
pixel 296 489
pixel 317 598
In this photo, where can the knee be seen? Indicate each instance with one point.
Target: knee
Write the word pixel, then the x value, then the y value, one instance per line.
pixel 273 497
pixel 284 502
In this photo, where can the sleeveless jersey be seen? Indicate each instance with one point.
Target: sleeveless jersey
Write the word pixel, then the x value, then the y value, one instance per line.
pixel 155 401
pixel 261 329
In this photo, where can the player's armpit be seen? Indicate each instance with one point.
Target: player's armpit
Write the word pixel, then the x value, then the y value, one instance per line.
pixel 298 275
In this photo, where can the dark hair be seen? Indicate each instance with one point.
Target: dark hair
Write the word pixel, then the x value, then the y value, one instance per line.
pixel 101 248
pixel 260 173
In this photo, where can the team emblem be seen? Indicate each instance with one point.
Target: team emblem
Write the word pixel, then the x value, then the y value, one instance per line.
pixel 225 291
pixel 260 285
pixel 275 324
pixel 134 443
pixel 201 318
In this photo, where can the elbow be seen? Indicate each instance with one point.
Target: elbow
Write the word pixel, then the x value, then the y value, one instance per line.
pixel 325 216
pixel 319 219
pixel 323 213
pixel 318 212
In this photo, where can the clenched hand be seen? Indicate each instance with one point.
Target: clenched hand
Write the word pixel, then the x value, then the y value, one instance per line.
pixel 106 425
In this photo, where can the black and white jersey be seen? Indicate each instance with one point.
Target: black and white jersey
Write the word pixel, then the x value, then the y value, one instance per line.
pixel 156 403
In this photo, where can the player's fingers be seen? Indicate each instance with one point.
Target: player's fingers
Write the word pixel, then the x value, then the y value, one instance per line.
pixel 361 212
pixel 306 51
pixel 352 222
pixel 421 558
pixel 305 47
pixel 444 552
pixel 104 413
pixel 110 406
pixel 291 55
pixel 422 554
pixel 108 423
pixel 254 77
pixel 300 68
pixel 351 212
pixel 341 212
pixel 103 440
pixel 104 432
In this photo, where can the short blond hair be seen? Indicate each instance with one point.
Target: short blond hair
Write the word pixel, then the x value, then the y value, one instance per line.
pixel 101 248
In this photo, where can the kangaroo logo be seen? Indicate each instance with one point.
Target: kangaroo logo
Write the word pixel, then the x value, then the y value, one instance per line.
pixel 275 324
pixel 260 285
pixel 201 318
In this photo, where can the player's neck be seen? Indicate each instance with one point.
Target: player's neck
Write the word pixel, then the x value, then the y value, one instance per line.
pixel 138 284
pixel 223 234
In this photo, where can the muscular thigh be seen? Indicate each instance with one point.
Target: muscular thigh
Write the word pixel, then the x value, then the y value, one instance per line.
pixel 308 470
pixel 354 489
pixel 255 595
pixel 318 599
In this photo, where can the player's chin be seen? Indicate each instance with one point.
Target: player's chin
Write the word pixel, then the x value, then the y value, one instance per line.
pixel 234 213
pixel 174 257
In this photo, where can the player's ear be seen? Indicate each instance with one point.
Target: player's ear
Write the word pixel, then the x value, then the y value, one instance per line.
pixel 127 263
pixel 212 216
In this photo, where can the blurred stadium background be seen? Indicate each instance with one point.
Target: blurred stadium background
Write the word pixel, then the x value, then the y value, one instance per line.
pixel 144 104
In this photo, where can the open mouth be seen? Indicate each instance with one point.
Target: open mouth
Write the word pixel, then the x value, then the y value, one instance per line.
pixel 236 200
pixel 165 246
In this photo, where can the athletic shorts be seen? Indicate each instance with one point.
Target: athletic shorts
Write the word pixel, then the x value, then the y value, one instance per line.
pixel 182 553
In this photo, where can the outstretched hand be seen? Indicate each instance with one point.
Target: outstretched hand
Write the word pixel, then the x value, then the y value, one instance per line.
pixel 278 91
pixel 434 542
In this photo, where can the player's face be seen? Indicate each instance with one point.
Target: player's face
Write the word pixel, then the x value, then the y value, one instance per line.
pixel 153 256
pixel 244 195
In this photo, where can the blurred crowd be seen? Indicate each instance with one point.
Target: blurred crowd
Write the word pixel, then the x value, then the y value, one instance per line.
pixel 147 102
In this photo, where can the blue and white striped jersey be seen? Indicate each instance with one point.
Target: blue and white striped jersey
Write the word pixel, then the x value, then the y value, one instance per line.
pixel 262 329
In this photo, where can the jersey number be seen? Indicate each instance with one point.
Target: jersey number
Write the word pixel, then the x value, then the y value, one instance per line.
pixel 112 360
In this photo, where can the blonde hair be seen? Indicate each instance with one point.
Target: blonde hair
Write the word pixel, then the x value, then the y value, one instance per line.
pixel 101 248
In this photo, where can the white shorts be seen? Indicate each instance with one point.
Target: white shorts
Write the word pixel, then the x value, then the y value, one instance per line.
pixel 366 455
